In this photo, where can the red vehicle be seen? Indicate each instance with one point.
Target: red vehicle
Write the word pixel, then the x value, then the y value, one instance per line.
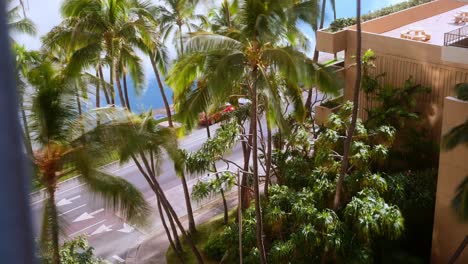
pixel 215 117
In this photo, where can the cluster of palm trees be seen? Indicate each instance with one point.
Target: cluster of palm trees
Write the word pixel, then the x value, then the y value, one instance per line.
pixel 244 48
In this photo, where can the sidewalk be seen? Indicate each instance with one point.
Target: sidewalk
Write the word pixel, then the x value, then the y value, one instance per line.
pixel 153 248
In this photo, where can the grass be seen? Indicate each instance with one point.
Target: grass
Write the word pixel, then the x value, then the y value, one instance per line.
pixel 204 232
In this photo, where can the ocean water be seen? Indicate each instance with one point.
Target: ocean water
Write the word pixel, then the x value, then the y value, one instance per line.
pixel 47 16
pixel 150 98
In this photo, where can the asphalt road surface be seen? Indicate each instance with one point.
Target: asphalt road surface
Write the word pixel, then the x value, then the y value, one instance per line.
pixel 82 213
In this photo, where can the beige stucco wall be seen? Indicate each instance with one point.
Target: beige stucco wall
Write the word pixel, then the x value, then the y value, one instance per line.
pixel 400 59
pixel 449 231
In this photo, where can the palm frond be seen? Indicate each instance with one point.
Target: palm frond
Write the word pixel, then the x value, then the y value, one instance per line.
pixel 456 136
pixel 24 25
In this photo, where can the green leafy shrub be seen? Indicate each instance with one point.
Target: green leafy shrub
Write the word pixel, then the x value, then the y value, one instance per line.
pixel 396 107
pixel 75 251
pixel 461 91
pixel 414 192
pixel 299 222
pixel 215 248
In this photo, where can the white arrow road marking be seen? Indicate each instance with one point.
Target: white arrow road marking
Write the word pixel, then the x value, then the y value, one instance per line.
pixel 126 228
pixel 86 216
pixel 66 201
pixel 119 259
pixel 102 229
pixel 71 210
pixel 86 228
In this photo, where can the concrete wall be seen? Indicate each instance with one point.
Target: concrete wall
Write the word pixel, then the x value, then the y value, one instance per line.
pixel 449 231
pixel 400 59
pixel 408 16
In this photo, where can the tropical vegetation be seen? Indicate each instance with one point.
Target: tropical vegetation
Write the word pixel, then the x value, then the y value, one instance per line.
pixel 338 192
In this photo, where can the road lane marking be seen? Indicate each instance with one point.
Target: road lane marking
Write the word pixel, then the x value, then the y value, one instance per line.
pixel 126 228
pixel 66 201
pixel 86 216
pixel 119 259
pixel 71 210
pixel 102 229
pixel 79 185
pixel 64 191
pixel 86 228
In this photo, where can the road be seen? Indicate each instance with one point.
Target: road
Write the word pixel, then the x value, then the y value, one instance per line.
pixel 82 213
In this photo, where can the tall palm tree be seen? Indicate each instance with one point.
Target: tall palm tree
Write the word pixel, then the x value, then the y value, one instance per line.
pixel 63 149
pixel 105 31
pixel 25 60
pixel 223 20
pixel 322 20
pixel 157 53
pixel 352 127
pixel 142 140
pixel 249 61
pixel 173 16
pixel 18 24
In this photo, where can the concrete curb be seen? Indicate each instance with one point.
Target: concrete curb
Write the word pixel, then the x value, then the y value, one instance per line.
pixel 133 253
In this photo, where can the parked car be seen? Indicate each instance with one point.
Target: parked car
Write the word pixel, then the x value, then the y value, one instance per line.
pixel 215 117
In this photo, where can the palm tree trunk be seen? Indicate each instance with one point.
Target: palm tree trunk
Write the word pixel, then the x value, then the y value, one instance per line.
pixel 78 102
pixel 179 224
pixel 127 101
pixel 119 85
pixel 27 135
pixel 333 3
pixel 188 203
pixel 258 209
pixel 322 21
pixel 352 127
pixel 174 231
pixel 98 95
pixel 163 94
pixel 101 76
pixel 154 184
pixel 268 157
pixel 112 89
pixel 308 104
pixel 181 40
pixel 246 149
pixel 54 226
pixel 168 233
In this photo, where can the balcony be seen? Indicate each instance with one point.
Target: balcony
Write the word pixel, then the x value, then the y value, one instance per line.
pixel 455 49
pixel 457 38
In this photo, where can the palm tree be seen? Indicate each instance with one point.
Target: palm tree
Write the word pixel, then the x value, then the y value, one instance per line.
pixel 18 24
pixel 249 62
pixel 157 54
pixel 63 150
pixel 352 126
pixel 105 31
pixel 142 140
pixel 223 20
pixel 25 60
pixel 173 16
pixel 322 21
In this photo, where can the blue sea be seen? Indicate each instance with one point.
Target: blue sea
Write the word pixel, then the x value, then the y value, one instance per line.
pixel 151 98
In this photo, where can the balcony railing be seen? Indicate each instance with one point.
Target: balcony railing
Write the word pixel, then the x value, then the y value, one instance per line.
pixel 457 38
